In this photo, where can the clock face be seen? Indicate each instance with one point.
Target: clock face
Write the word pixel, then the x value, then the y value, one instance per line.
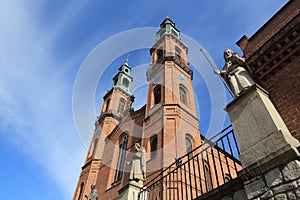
pixel 182 78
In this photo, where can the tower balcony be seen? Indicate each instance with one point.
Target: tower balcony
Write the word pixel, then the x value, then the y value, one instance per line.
pixel 169 57
pixel 110 113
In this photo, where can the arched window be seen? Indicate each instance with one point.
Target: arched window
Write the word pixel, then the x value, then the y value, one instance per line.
pixel 174 32
pixel 159 54
pixel 182 94
pixel 177 52
pixel 188 146
pixel 153 144
pixel 121 105
pixel 121 158
pixel 157 94
pixel 107 104
pixel 80 190
pixel 125 82
pixel 207 177
pixel 95 146
pixel 115 81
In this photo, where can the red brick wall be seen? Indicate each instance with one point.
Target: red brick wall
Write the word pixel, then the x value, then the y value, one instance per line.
pixel 284 89
pixel 269 29
pixel 283 85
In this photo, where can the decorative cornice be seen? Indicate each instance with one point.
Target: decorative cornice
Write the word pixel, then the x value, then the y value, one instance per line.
pixel 277 52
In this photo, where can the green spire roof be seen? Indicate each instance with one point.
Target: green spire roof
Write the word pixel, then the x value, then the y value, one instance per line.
pixel 167 27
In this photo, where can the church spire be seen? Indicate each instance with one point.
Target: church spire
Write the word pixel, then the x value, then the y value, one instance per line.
pixel 123 79
pixel 167 27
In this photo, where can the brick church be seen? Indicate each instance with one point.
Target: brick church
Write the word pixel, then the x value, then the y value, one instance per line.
pixel 167 125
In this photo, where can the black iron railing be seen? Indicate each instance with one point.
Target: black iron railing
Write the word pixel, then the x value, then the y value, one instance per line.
pixel 208 166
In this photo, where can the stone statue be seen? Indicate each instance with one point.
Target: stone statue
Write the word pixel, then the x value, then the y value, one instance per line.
pixel 138 166
pixel 97 121
pixel 93 194
pixel 234 73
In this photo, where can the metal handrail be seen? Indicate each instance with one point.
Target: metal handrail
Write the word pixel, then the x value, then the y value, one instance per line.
pixel 212 164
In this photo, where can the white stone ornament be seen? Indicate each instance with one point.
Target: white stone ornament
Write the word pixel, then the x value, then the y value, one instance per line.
pixel 235 73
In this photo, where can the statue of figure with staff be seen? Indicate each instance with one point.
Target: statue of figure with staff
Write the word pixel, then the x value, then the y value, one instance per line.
pixel 234 73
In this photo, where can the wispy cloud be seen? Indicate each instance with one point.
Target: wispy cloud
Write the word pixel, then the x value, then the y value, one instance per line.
pixel 35 99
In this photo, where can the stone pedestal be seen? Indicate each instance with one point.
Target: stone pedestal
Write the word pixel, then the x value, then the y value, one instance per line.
pixel 260 131
pixel 269 153
pixel 132 191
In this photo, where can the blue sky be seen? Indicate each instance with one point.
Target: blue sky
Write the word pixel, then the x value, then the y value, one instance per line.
pixel 42 47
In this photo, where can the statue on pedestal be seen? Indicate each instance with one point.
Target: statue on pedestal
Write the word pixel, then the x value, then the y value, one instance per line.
pixel 235 73
pixel 93 194
pixel 138 165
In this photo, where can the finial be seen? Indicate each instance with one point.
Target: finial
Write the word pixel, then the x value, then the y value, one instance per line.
pixel 126 61
pixel 167 16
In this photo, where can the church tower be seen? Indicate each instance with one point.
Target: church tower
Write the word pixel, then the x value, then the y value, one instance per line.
pixel 171 123
pixel 117 101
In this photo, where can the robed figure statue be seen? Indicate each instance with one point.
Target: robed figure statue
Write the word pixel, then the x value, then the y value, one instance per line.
pixel 93 194
pixel 235 73
pixel 138 165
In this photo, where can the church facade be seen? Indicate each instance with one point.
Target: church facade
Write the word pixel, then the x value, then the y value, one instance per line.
pixel 182 164
pixel 166 126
